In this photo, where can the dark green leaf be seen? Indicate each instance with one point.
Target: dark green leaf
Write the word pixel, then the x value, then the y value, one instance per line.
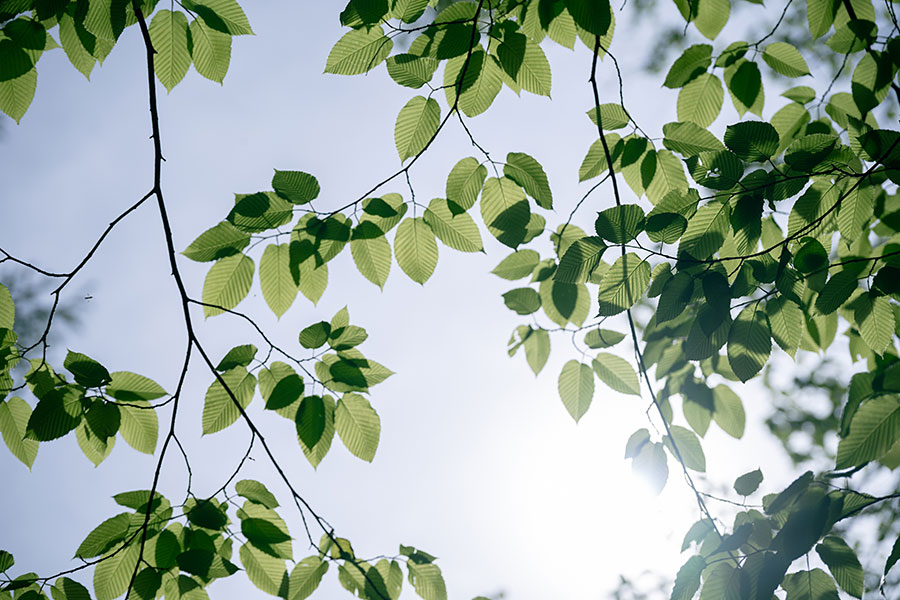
pixel 692 62
pixel 296 187
pixel 256 492
pixel 310 420
pixel 87 371
pixel 843 564
pixel 752 141
pixel 579 260
pixel 239 356
pixel 620 224
pixel 529 174
pixel 315 335
pixel 748 483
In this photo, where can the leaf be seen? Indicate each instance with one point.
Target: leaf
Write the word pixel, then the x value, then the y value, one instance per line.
pixel 576 388
pixel 595 162
pixel 528 173
pixel 112 575
pixel 239 356
pixel 745 86
pixel 616 373
pixel 16 94
pixel 358 51
pixel 874 429
pixel 456 230
pixel 410 70
pixel 623 284
pixel 318 452
pixel 14 61
pixel 306 577
pixel 894 556
pixel 705 233
pixel 687 582
pixel 785 59
pixel 524 61
pixel 104 536
pixel 537 349
pixel 620 224
pixel 14 416
pixel 169 36
pixel 427 580
pixel 315 335
pixel 517 265
pixel 139 425
pixel 728 411
pixel 752 141
pixel 693 62
pixel 358 425
pixel 225 16
pixel 749 342
pixel 296 187
pixel 278 287
pixel 266 572
pixel 843 564
pixel 651 464
pixel 523 301
pixel 602 338
pixel 689 139
pixel 700 100
pixel 837 290
pixel 227 283
pixel 820 16
pixel 473 91
pixel 210 51
pixel 217 242
pixel 688 446
pixel 219 410
pixel 809 585
pixel 465 181
pixel 87 371
pixel 372 254
pixel 505 211
pixel 7 308
pixel 612 116
pixel 579 260
pixel 57 413
pixel 254 491
pixel 875 318
pixel 712 15
pixel 416 249
pixel 748 483
pixel 416 125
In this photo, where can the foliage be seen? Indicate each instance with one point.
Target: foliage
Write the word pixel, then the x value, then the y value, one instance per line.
pixel 779 230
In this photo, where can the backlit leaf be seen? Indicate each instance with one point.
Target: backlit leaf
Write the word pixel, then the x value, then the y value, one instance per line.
pixel 227 283
pixel 576 388
pixel 358 51
pixel 416 124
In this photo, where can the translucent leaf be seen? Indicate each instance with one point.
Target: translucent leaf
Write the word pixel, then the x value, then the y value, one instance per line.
pixel 505 211
pixel 667 177
pixel 416 249
pixel 57 413
pixel 358 425
pixel 481 83
pixel 537 349
pixel 169 35
pixel 69 589
pixel 315 454
pixel 809 151
pixel 748 483
pixel 616 373
pixel 7 308
pixel 875 318
pixel 139 425
pixel 217 242
pixel 524 61
pixel 706 232
pixel 894 556
pixel 427 580
pixel 843 564
pixel 786 321
pixel 693 62
pixel 256 492
pixel 820 16
pixel 749 342
pixel 265 529
pixel 266 572
pixel 104 536
pixel 802 94
pixel 465 181
pixel 517 265
pixel 410 70
pixel 227 283
pixel 576 388
pixel 688 447
pixel 623 284
pixel 809 585
pixel 456 230
pixel 745 86
pixel 752 141
pixel 874 429
pixel 210 51
pixel 785 59
pixel 701 100
pixel 112 575
pixel 636 442
pixel 595 162
pixel 687 582
pixel 651 464
pixel 285 387
pixel 372 255
pixel 837 290
pixel 78 55
pixel 523 301
pixel 602 338
pixel 297 187
pixel 239 356
pixel 528 173
pixel 612 116
pixel 358 51
pixel 580 260
pixel 712 15
pixel 305 577
pixel 728 411
pixel 416 125
pixel 278 287
pixel 689 139
pixel 14 416
pixel 620 224
pixel 565 302
pixel 225 16
pixel 17 93
pixel 219 410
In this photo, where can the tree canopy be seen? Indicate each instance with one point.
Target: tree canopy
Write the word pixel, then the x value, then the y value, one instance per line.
pixel 702 256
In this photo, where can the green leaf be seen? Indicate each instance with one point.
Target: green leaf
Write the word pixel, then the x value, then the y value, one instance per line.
pixel 416 249
pixel 7 308
pixel 227 283
pixel 318 452
pixel 820 16
pixel 239 356
pixel 225 16
pixel 875 318
pixel 14 61
pixel 456 230
pixel 57 413
pixel 517 265
pixel 745 86
pixel 809 585
pixel 700 100
pixel 315 335
pixel 809 151
pixel 112 575
pixel 410 70
pixel 288 387
pixel 358 425
pixel 894 556
pixel 636 442
pixel 620 224
pixel 505 211
pixel 786 321
pixel 693 62
pixel 14 416
pixel 602 338
pixel 296 187
pixel 17 93
pixel 752 141
pixel 712 15
pixel 836 291
pixel 576 388
pixel 104 536
pixel 843 564
pixel 416 125
pixel 465 181
pixel 69 589
pixel 728 411
pixel 623 284
pixel 139 425
pixel 874 429
pixel 616 373
pixel 358 51
pixel 524 61
pixel 371 253
pixel 475 92
pixel 688 447
pixel 87 371
pixel 687 582
pixel 748 483
pixel 254 491
pixel 580 260
pixel 217 242
pixel 785 59
pixel 265 530
pixel 537 349
pixel 278 287
pixel 612 116
pixel 565 302
pixel 219 410
pixel 689 139
pixel 266 572
pixel 595 162
pixel 706 232
pixel 169 35
pixel 802 94
pixel 427 580
pixel 749 342
pixel 523 301
pixel 529 174
pixel 306 577
pixel 210 51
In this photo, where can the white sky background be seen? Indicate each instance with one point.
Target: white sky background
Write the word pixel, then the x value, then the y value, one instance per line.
pixel 479 463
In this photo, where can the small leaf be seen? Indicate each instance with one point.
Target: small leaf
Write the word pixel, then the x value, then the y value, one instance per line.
pixel 623 284
pixel 256 492
pixel 310 420
pixel 620 224
pixel 505 211
pixel 14 416
pixel 275 280
pixel 602 338
pixel 169 35
pixel 217 242
pixel 523 301
pixel 752 141
pixel 693 62
pixel 239 356
pixel 517 265
pixel 748 483
pixel 87 371
pixel 687 582
pixel 874 429
pixel 210 51
pixel 700 100
pixel 219 410
pixel 465 181
pixel 749 342
pixel 315 335
pixel 688 446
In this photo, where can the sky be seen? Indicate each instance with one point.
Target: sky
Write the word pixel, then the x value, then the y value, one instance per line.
pixel 478 463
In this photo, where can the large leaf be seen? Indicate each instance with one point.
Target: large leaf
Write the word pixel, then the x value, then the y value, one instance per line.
pixel 874 429
pixel 227 283
pixel 749 342
pixel 505 211
pixel 416 249
pixel 219 410
pixel 465 181
pixel 528 173
pixel 455 229
pixel 623 284
pixel 843 564
pixel 706 232
pixel 688 446
pixel 266 572
pixel 785 59
pixel 112 575
pixel 305 577
pixel 358 51
pixel 169 35
pixel 278 287
pixel 371 253
pixel 139 426
pixel 617 373
pixel 416 125
pixel 210 51
pixel 576 388
pixel 580 260
pixel 700 100
pixel 358 425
